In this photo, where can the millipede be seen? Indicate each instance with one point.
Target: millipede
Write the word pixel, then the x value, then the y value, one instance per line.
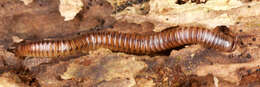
pixel 192 1
pixel 130 42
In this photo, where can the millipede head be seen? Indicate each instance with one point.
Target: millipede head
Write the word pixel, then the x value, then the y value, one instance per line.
pixel 14 47
pixel 11 49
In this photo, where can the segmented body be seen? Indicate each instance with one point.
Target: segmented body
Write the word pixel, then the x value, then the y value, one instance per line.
pixel 192 1
pixel 129 42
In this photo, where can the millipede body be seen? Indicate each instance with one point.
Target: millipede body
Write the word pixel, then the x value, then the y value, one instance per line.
pixel 129 42
pixel 192 1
